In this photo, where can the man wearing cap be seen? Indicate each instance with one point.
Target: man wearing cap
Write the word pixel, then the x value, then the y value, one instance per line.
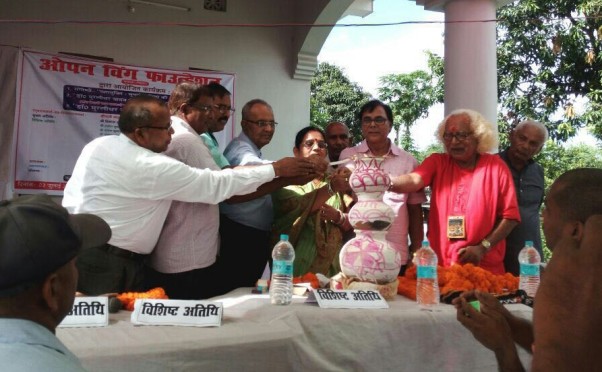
pixel 39 241
pixel 125 180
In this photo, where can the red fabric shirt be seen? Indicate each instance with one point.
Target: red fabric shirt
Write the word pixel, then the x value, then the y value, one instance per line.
pixel 483 196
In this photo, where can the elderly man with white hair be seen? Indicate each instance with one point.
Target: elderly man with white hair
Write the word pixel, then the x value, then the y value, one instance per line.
pixel 526 141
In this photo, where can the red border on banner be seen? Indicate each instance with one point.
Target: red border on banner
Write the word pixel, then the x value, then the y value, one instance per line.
pixel 40 185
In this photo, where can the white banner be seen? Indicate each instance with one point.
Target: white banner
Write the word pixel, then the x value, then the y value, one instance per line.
pixel 65 102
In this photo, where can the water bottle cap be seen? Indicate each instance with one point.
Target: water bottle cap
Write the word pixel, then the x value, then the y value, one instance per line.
pixel 425 243
pixel 528 243
pixel 284 237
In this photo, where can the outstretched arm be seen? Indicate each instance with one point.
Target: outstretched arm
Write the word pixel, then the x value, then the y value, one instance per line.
pixel 406 183
pixel 289 171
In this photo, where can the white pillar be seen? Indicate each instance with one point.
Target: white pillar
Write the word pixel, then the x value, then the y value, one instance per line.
pixel 470 57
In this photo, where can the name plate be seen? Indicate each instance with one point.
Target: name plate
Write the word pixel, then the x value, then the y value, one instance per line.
pixel 347 299
pixel 177 313
pixel 88 312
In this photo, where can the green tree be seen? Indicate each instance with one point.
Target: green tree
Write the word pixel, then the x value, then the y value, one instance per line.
pixel 335 97
pixel 436 147
pixel 557 159
pixel 411 96
pixel 550 64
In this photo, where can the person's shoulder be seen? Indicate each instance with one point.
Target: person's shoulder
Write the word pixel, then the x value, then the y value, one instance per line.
pixel 435 162
pixel 191 150
pixel 186 138
pixel 236 144
pixel 360 147
pixel 154 164
pixel 494 159
pixel 401 152
pixel 99 141
pixel 537 166
pixel 438 156
pixel 101 147
pixel 236 151
pixel 346 153
pixel 495 163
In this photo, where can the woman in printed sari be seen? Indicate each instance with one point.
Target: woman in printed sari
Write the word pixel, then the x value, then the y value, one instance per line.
pixel 313 215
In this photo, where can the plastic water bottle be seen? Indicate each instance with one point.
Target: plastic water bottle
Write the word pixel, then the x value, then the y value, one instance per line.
pixel 281 285
pixel 427 287
pixel 529 260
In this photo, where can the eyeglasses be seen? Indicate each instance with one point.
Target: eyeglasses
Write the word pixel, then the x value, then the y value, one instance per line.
pixel 379 120
pixel 263 123
pixel 203 108
pixel 459 136
pixel 310 143
pixel 158 128
pixel 223 108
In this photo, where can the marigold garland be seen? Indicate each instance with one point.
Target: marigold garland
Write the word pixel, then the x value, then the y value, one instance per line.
pixel 460 278
pixel 310 278
pixel 128 298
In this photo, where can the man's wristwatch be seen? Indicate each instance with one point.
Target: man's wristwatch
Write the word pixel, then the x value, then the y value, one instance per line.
pixel 486 244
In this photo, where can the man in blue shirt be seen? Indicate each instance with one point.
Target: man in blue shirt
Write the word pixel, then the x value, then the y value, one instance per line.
pixel 526 141
pixel 245 227
pixel 39 241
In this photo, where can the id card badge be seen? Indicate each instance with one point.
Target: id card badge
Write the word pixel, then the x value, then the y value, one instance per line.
pixel 456 227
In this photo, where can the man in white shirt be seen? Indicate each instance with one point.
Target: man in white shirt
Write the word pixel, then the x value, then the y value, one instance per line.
pixel 125 180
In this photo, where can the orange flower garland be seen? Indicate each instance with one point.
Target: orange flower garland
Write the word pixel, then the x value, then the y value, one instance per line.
pixel 310 278
pixel 460 278
pixel 128 298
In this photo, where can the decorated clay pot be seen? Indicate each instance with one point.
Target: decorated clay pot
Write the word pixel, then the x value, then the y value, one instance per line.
pixel 369 257
pixel 369 183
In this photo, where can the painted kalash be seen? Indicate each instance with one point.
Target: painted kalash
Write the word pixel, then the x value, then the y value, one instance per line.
pixel 368 261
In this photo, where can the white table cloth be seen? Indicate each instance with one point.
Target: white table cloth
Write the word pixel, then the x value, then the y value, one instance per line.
pixel 257 336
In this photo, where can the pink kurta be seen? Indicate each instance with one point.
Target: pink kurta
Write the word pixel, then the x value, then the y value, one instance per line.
pixel 483 195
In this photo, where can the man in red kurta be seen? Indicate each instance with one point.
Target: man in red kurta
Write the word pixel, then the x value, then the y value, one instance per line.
pixel 484 195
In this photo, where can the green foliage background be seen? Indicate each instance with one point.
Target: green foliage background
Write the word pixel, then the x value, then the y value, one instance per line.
pixel 335 97
pixel 549 56
pixel 550 64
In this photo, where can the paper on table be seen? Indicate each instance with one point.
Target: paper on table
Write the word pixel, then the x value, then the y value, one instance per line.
pixel 347 299
pixel 88 312
pixel 177 313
